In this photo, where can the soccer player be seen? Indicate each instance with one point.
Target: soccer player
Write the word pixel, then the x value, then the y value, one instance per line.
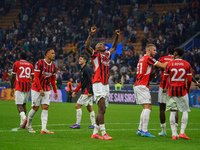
pixel 162 97
pixel 141 89
pixel 86 93
pixel 179 71
pixel 44 73
pixel 21 72
pixel 100 60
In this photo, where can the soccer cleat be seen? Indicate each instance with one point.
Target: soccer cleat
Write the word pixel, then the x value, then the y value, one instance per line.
pixel 96 136
pixel 183 136
pixel 138 132
pixel 147 134
pixel 106 137
pixel 30 130
pixel 174 137
pixel 162 134
pixel 91 127
pixel 75 126
pixel 24 124
pixel 46 131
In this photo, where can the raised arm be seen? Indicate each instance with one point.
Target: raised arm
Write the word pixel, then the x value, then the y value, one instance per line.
pixel 87 44
pixel 114 46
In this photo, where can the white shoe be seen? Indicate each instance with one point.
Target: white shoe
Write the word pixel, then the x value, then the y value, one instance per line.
pixel 30 130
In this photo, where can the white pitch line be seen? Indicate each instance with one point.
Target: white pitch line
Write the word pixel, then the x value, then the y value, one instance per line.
pixel 16 129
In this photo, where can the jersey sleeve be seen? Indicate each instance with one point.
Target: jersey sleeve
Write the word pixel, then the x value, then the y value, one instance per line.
pixel 107 54
pixel 38 66
pixel 151 61
pixel 14 69
pixel 160 60
pixel 94 53
pixel 55 69
pixel 166 72
pixel 189 70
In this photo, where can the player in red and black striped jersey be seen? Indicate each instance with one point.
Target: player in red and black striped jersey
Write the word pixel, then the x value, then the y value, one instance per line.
pixel 141 89
pixel 162 97
pixel 180 76
pixel 21 72
pixel 100 60
pixel 44 74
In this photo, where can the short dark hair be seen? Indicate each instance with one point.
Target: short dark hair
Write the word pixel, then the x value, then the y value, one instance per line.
pixel 170 49
pixel 23 55
pixel 179 51
pixel 85 57
pixel 47 50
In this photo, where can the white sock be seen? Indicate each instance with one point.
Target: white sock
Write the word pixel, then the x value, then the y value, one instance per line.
pixel 44 117
pixel 176 126
pixel 78 116
pixel 92 117
pixel 146 116
pixel 141 120
pixel 23 117
pixel 184 121
pixel 103 129
pixel 96 129
pixel 172 123
pixel 31 114
pixel 163 126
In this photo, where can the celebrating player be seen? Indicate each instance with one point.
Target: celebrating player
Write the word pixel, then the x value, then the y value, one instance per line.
pixel 44 73
pixel 21 72
pixel 100 60
pixel 179 71
pixel 86 93
pixel 141 89
pixel 162 97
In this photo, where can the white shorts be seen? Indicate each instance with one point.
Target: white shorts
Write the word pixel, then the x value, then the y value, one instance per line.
pixel 21 97
pixel 162 97
pixel 177 103
pixel 142 94
pixel 100 91
pixel 37 99
pixel 85 100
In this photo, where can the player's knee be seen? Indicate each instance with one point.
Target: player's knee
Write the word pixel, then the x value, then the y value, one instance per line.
pixel 89 108
pixel 35 108
pixel 78 106
pixel 102 110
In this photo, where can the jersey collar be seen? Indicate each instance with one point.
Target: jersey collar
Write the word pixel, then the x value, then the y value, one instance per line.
pixel 47 62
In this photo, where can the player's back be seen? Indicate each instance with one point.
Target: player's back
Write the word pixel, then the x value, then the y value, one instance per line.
pixel 144 69
pixel 178 70
pixel 23 70
pixel 164 59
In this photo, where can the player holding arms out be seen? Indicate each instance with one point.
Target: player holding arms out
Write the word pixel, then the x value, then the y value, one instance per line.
pixel 86 93
pixel 141 89
pixel 21 72
pixel 179 71
pixel 100 60
pixel 44 73
pixel 162 97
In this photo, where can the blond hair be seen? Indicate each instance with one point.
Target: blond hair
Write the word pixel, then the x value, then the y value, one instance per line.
pixel 149 45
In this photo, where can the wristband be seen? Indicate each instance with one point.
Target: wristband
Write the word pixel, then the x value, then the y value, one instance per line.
pixel 91 33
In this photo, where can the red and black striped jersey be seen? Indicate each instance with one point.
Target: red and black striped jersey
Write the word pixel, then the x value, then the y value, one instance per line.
pixel 46 71
pixel 178 71
pixel 23 70
pixel 101 67
pixel 164 59
pixel 144 69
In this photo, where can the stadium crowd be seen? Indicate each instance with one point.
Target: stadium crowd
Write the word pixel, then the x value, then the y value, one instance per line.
pixel 38 32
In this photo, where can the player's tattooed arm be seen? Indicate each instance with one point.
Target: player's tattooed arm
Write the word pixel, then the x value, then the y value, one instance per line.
pixel 87 44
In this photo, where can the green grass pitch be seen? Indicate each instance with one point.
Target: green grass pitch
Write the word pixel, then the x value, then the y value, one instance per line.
pixel 121 123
